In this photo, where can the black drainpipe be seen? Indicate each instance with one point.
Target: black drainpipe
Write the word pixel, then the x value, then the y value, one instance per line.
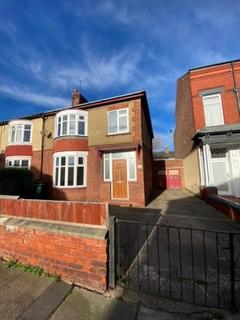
pixel 235 89
pixel 42 145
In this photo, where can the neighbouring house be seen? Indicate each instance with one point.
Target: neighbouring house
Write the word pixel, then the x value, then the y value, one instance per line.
pixel 167 171
pixel 89 151
pixel 207 135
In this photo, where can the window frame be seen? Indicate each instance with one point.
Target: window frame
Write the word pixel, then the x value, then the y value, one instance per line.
pixel 68 113
pixel 126 156
pixel 19 158
pixel 204 98
pixel 22 123
pixel 67 154
pixel 118 131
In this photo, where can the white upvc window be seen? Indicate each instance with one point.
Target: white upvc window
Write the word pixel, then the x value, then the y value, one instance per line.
pixel 70 169
pixel 71 123
pixel 213 111
pixel 118 121
pixel 20 132
pixel 131 164
pixel 22 162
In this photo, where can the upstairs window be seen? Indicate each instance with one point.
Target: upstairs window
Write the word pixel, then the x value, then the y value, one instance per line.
pixel 213 110
pixel 20 132
pixel 71 122
pixel 118 121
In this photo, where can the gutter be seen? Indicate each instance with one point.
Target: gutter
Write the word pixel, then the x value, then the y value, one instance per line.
pixel 42 145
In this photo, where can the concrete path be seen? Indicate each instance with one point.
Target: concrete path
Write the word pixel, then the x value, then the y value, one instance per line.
pixel 182 208
pixel 178 208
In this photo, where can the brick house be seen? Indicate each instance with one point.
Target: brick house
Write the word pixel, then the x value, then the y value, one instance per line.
pixel 90 151
pixel 207 135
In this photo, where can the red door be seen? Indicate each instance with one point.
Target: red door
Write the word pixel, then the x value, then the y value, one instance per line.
pixel 173 179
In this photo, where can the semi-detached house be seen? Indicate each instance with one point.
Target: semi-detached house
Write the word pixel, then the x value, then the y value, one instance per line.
pixel 89 151
pixel 207 135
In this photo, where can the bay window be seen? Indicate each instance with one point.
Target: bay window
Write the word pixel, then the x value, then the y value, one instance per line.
pixel 23 162
pixel 70 169
pixel 20 132
pixel 71 122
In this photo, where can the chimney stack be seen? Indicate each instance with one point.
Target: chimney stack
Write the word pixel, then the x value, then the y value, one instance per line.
pixel 76 97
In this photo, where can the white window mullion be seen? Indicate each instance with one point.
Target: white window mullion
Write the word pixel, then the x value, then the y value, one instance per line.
pixel 75 170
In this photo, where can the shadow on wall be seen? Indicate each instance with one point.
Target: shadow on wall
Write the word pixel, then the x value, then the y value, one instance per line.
pixel 44 187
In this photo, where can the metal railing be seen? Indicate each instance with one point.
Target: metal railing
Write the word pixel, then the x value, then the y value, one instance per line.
pixel 197 266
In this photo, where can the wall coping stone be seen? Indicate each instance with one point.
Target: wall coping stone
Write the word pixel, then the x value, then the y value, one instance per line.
pixel 228 202
pixel 2 196
pixel 55 201
pixel 63 228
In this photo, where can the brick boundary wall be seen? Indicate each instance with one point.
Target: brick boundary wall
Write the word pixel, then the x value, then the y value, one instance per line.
pixel 76 258
pixel 230 208
pixel 67 211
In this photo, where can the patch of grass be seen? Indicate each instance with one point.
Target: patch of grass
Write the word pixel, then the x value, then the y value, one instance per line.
pixel 35 270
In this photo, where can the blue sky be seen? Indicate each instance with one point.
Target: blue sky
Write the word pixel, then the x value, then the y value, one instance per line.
pixel 114 47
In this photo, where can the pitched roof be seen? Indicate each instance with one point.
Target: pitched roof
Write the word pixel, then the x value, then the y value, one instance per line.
pixel 97 103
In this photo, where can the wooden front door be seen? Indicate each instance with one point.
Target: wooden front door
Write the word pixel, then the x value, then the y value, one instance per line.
pixel 119 181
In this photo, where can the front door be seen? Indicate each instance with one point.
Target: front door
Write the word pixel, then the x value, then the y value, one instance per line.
pixel 119 181
pixel 221 175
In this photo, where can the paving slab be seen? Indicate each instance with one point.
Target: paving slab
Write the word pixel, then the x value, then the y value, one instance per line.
pixel 47 303
pixel 85 305
pixel 18 291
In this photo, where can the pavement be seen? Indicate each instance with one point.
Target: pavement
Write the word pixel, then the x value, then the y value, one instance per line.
pixel 24 296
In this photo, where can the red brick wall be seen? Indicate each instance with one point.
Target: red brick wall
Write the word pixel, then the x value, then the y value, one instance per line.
pixel 215 77
pixel 189 103
pixel 98 190
pixel 166 165
pixel 76 259
pixel 87 213
pixel 20 150
pixel 184 119
pixel 70 144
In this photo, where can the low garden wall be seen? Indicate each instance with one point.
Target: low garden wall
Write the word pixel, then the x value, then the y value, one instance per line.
pixel 227 206
pixel 67 211
pixel 77 253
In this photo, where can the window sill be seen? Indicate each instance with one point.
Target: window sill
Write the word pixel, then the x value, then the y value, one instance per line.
pixel 118 133
pixel 70 136
pixel 69 187
pixel 19 144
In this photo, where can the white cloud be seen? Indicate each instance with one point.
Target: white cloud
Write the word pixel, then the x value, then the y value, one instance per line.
pixel 97 70
pixel 26 94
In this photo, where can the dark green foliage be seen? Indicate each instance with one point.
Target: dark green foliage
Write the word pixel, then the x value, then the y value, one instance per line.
pixel 18 182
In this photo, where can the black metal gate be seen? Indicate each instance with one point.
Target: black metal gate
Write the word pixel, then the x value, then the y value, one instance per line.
pixel 191 265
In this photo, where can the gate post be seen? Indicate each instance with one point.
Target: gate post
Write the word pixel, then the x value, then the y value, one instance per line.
pixel 232 272
pixel 112 252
